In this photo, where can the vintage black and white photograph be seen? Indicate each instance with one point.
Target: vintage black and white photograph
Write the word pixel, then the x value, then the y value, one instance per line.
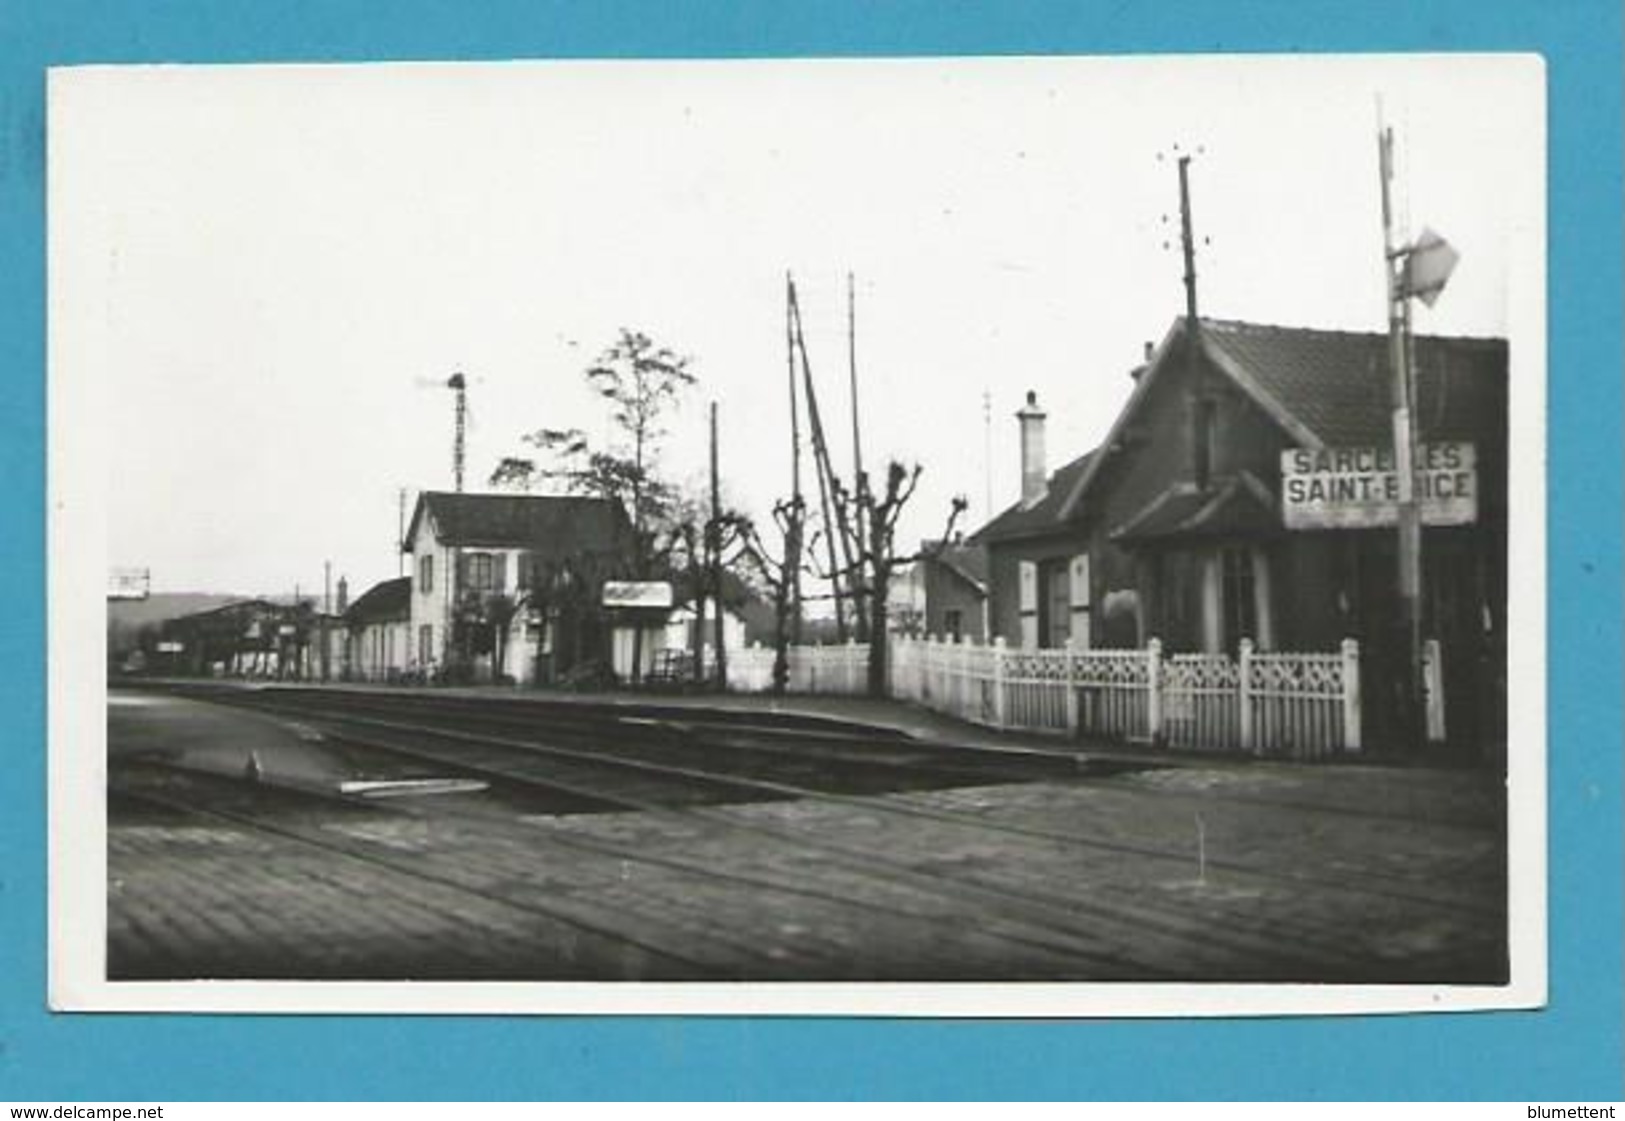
pixel 976 536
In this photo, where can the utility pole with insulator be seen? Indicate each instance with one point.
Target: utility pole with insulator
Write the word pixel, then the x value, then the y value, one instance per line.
pixel 1200 435
pixel 1418 269
pixel 1400 400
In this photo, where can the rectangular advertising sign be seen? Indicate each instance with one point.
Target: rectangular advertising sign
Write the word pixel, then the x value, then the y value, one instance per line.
pixel 637 593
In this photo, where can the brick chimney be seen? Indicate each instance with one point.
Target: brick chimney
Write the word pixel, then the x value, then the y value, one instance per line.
pixel 1033 476
pixel 344 595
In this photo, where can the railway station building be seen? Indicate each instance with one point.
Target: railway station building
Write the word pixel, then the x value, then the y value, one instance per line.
pixel 244 638
pixel 1245 491
pixel 506 586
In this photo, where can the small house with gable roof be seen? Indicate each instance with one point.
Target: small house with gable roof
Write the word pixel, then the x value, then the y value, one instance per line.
pixel 379 626
pixel 1175 526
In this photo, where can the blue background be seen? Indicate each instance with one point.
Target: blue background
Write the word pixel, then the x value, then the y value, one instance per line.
pixel 1572 1050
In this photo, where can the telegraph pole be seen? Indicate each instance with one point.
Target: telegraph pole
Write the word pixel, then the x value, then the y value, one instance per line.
pixel 400 532
pixel 858 581
pixel 459 384
pixel 327 611
pixel 1403 397
pixel 1193 325
pixel 1187 243
pixel 852 373
pixel 987 455
pixel 713 544
pixel 794 550
pixel 826 475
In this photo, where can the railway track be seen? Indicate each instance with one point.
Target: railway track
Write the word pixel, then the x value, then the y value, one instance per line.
pixel 156 785
pixel 601 758
pixel 799 762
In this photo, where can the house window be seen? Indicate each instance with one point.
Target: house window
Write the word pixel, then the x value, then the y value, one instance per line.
pixel 953 623
pixel 484 572
pixel 1240 599
pixel 426 644
pixel 1056 625
pixel 1204 438
pixel 425 574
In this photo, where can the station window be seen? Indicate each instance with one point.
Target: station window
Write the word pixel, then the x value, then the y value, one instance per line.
pixel 1176 610
pixel 1240 597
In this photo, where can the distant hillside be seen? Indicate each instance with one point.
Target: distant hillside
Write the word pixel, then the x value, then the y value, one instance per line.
pixel 126 617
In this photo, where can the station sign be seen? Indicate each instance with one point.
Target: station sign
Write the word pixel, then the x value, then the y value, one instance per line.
pixel 637 593
pixel 170 647
pixel 1358 488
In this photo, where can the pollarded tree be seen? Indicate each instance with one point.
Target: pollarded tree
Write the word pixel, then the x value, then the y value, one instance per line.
pixel 702 541
pixel 781 574
pixel 875 559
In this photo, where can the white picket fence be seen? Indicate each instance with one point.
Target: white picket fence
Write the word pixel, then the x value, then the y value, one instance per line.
pixel 840 670
pixel 1303 706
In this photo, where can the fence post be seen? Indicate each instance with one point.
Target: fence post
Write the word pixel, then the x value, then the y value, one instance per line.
pixel 1153 689
pixel 961 689
pixel 1351 695
pixel 1433 685
pixel 1245 685
pixel 998 682
pixel 1071 692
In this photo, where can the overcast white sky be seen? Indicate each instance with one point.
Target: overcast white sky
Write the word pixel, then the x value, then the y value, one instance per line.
pixel 261 276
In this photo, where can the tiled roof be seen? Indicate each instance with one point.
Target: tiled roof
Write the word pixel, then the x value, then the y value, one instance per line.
pixel 967 561
pixel 541 523
pixel 1336 383
pixel 387 599
pixel 1241 505
pixel 1331 388
pixel 1042 516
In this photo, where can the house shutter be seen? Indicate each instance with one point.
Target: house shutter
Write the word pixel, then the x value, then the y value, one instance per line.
pixel 461 566
pixel 1078 598
pixel 1028 584
pixel 499 573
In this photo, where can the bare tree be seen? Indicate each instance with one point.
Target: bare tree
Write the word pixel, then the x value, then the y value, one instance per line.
pixel 779 573
pixel 695 549
pixel 875 559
